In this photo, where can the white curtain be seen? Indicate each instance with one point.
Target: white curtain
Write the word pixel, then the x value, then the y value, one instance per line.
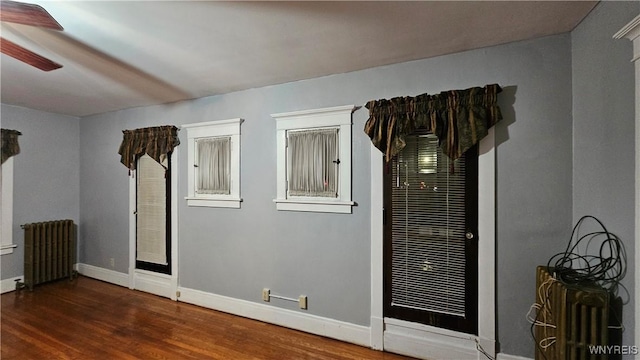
pixel 213 166
pixel 151 227
pixel 313 169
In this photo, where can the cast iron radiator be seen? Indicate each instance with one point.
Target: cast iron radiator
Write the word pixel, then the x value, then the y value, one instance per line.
pixel 573 322
pixel 49 252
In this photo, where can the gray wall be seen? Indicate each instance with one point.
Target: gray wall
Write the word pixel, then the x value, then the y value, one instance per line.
pixel 552 167
pixel 46 174
pixel 327 256
pixel 603 130
pixel 533 180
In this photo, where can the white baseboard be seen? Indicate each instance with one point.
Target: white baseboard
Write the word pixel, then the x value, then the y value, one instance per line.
pixel 91 271
pixel 103 274
pixel 153 283
pixel 8 285
pixel 427 346
pixel 428 342
pixel 502 356
pixel 335 329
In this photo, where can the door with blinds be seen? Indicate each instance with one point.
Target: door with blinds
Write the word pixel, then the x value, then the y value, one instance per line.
pixel 153 215
pixel 431 246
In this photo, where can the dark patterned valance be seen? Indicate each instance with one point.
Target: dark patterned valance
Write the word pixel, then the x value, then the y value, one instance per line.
pixel 459 118
pixel 10 145
pixel 156 142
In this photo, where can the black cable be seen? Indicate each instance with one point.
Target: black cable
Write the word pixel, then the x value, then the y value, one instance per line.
pixel 602 271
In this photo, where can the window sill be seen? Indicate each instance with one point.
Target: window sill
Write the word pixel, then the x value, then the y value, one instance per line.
pixel 7 249
pixel 220 202
pixel 340 207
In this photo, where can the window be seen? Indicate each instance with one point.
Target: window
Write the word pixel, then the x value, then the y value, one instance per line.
pixel 314 160
pixel 214 163
pixel 153 215
pixel 6 180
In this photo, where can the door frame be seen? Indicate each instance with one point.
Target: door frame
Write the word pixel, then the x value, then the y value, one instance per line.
pixel 148 281
pixel 417 339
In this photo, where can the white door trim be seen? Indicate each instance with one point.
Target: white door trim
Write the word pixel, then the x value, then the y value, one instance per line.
pixel 486 257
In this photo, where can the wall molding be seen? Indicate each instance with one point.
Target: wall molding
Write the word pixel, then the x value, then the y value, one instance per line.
pixel 95 272
pixel 153 283
pixel 157 284
pixel 348 332
pixel 8 285
pixel 429 342
pixel 110 276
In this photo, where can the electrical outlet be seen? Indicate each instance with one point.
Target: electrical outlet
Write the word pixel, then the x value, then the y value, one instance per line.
pixel 302 301
pixel 266 295
pixel 112 262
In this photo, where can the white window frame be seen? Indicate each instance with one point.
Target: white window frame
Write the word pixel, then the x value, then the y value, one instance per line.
pixel 221 128
pixel 6 178
pixel 333 117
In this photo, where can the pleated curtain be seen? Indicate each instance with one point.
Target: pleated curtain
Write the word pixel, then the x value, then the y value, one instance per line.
pixel 10 146
pixel 213 165
pixel 459 118
pixel 157 142
pixel 314 162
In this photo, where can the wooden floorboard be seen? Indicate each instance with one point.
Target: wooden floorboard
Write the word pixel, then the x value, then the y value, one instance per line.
pixel 90 319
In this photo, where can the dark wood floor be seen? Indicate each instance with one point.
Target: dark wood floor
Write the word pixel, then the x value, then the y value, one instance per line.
pixel 90 319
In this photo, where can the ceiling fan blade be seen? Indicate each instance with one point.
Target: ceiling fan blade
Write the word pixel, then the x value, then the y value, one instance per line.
pixel 27 14
pixel 27 56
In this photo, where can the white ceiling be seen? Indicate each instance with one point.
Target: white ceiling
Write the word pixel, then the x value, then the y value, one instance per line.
pixel 122 54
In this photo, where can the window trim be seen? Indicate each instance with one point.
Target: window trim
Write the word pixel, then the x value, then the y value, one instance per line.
pixel 333 117
pixel 210 129
pixel 6 180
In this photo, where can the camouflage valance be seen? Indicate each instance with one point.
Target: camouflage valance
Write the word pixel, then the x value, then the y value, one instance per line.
pixel 459 118
pixel 156 142
pixel 10 145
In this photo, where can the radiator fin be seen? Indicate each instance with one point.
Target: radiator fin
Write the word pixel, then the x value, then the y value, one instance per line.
pixel 49 251
pixel 572 320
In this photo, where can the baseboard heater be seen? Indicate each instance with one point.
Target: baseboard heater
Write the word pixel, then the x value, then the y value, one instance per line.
pixel 574 322
pixel 49 252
